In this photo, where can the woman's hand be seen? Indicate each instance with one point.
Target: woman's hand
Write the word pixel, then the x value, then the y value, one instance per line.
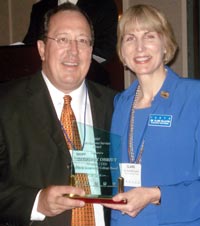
pixel 137 199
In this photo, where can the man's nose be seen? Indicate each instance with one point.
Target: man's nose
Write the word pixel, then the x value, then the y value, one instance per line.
pixel 73 45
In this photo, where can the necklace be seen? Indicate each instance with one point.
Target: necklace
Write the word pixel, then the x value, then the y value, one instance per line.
pixel 131 132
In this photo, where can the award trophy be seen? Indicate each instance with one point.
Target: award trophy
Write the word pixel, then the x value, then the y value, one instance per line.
pixel 97 160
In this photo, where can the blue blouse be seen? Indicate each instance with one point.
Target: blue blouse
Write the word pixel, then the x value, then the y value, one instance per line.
pixel 171 157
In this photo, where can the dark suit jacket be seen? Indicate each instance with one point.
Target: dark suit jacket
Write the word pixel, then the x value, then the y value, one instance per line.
pixel 103 14
pixel 33 151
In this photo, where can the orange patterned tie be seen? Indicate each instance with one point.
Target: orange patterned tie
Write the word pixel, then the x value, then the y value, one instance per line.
pixel 80 216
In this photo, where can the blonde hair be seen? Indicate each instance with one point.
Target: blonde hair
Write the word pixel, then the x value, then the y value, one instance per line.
pixel 148 18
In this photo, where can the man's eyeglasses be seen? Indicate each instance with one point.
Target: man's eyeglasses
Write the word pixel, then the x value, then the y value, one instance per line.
pixel 64 41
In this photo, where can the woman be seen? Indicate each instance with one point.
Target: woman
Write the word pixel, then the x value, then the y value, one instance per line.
pixel 158 119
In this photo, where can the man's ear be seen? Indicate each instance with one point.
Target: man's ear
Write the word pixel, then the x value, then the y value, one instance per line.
pixel 41 49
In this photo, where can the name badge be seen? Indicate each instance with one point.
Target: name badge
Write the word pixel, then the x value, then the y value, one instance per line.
pixel 160 120
pixel 131 173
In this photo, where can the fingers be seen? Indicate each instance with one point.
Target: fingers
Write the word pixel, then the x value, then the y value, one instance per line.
pixel 127 208
pixel 117 198
pixel 137 199
pixel 53 202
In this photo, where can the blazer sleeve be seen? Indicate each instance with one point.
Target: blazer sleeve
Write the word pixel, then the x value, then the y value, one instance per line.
pixel 181 202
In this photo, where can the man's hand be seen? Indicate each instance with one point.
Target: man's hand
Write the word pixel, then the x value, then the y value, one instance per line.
pixel 52 202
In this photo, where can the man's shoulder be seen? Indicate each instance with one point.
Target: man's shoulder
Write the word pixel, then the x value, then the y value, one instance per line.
pixel 16 87
pixel 12 85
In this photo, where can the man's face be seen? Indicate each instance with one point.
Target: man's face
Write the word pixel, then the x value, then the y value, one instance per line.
pixel 66 63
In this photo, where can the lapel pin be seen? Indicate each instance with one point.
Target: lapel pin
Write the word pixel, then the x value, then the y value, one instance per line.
pixel 164 94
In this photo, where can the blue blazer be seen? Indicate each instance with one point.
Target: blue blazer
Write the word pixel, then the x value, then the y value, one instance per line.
pixel 171 157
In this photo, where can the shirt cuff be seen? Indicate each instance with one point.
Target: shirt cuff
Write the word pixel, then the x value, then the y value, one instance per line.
pixel 35 215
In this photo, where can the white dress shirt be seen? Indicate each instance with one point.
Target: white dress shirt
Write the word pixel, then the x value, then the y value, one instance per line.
pixel 81 106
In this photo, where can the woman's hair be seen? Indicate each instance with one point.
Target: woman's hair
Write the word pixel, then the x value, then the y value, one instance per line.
pixel 151 19
pixel 63 7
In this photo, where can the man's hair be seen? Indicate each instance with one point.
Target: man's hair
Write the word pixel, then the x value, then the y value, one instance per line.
pixel 63 7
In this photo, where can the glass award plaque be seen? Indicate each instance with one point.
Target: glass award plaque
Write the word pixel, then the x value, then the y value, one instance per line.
pixel 99 163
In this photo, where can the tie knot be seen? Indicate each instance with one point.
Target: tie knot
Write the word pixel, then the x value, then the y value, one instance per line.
pixel 67 99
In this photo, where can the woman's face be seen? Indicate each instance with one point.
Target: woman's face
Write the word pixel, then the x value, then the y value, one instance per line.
pixel 143 51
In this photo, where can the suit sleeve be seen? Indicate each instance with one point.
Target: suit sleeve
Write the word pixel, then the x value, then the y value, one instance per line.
pixel 12 196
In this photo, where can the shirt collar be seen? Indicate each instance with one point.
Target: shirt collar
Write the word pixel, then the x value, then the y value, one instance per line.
pixel 57 95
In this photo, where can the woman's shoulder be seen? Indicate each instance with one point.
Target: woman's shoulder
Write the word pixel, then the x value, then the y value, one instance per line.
pixel 127 93
pixel 183 84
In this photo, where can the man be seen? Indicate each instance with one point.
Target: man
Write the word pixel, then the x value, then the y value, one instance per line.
pixel 35 163
pixel 104 16
pixel 102 13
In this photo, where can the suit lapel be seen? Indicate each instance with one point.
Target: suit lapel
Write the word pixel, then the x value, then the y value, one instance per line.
pixel 39 105
pixel 96 103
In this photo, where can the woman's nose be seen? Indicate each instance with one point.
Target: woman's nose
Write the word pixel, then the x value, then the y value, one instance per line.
pixel 140 45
